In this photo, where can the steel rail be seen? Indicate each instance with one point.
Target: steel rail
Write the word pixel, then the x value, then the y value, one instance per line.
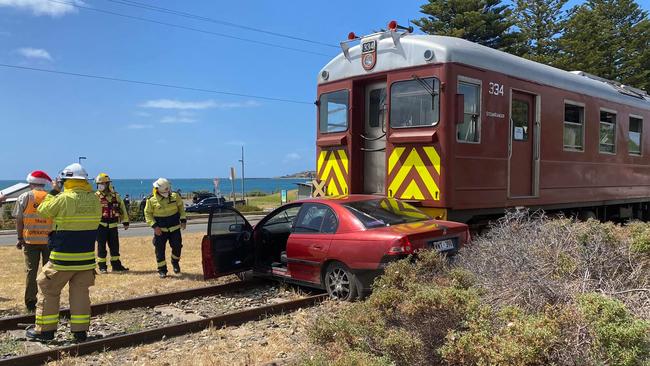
pixel 15 322
pixel 153 335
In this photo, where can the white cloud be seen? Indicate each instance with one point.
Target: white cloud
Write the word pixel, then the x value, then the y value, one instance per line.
pixel 43 7
pixel 291 157
pixel 177 104
pixel 34 53
pixel 142 114
pixel 177 119
pixel 136 126
pixel 203 104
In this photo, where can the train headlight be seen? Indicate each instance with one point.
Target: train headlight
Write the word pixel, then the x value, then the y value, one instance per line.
pixel 324 75
pixel 428 55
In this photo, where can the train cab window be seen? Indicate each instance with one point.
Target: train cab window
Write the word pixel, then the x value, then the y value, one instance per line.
pixel 469 129
pixel 607 132
pixel 415 103
pixel 574 121
pixel 634 135
pixel 333 111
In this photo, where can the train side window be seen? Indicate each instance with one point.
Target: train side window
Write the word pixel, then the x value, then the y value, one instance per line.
pixel 469 129
pixel 333 111
pixel 415 103
pixel 607 132
pixel 574 122
pixel 635 133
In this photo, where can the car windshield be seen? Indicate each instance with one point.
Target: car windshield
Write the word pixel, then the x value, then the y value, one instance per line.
pixel 385 212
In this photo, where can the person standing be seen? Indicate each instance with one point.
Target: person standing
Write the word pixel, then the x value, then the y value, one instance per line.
pixel 32 231
pixel 76 213
pixel 127 202
pixel 113 211
pixel 165 213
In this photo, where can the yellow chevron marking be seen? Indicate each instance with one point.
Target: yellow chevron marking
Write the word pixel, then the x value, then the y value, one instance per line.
pixel 414 161
pixel 433 156
pixel 394 158
pixel 344 159
pixel 321 159
pixel 413 192
pixel 332 167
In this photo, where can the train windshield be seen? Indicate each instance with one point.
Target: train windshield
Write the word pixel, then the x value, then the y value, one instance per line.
pixel 385 212
pixel 415 103
pixel 333 111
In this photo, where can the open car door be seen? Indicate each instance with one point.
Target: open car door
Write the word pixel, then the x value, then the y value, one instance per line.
pixel 227 248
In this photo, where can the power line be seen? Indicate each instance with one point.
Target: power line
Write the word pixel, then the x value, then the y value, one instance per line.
pixel 188 28
pixel 172 86
pixel 216 21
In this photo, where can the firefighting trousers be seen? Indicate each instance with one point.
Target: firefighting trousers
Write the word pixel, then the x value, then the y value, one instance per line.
pixel 50 283
pixel 107 236
pixel 34 254
pixel 159 243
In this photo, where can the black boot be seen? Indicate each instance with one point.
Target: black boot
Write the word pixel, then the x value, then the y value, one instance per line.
pixel 80 336
pixel 33 335
pixel 31 307
pixel 117 266
pixel 162 274
pixel 177 267
pixel 102 267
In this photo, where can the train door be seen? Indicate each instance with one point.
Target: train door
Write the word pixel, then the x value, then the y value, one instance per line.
pixel 523 137
pixel 374 140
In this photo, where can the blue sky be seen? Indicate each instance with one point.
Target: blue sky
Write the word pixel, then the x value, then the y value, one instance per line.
pixel 134 131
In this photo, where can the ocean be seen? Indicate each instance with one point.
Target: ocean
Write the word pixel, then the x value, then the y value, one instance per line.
pixel 138 188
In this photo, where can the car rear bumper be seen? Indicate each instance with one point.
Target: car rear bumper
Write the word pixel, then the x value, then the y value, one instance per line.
pixel 367 276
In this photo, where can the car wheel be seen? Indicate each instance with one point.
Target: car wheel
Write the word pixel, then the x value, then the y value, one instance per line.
pixel 340 282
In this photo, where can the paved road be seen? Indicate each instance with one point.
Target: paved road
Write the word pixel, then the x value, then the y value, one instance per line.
pixel 192 227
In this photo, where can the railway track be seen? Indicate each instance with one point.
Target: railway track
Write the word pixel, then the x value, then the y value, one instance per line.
pixel 152 335
pixel 18 321
pixel 117 341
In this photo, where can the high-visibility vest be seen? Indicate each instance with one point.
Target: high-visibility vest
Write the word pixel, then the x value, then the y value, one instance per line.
pixel 165 213
pixel 36 228
pixel 76 213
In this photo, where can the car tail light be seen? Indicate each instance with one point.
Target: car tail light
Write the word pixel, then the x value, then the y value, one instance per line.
pixel 402 246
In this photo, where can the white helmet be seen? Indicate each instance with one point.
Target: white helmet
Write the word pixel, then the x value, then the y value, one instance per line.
pixel 162 184
pixel 74 171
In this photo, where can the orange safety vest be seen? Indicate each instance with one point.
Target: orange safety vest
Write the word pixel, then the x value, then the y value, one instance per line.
pixel 36 228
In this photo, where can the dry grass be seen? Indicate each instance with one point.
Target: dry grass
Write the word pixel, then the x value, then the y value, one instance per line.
pixel 137 253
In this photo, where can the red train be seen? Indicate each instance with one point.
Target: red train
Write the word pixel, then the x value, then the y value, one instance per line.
pixel 465 131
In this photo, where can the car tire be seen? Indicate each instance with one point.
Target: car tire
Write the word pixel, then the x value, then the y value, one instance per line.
pixel 340 283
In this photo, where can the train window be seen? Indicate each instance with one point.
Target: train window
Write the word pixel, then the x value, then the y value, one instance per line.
pixel 333 111
pixel 468 130
pixel 520 114
pixel 634 136
pixel 607 132
pixel 414 103
pixel 574 120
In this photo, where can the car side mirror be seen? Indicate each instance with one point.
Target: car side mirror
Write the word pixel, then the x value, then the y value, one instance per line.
pixel 236 228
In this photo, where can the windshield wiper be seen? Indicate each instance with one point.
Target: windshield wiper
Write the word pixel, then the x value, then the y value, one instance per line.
pixel 428 88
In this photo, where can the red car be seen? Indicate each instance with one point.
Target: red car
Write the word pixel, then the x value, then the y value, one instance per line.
pixel 339 245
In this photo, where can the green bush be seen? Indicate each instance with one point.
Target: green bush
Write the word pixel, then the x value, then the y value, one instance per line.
pixel 620 339
pixel 256 193
pixel 640 235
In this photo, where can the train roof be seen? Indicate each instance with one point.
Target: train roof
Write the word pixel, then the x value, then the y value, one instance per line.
pixel 410 50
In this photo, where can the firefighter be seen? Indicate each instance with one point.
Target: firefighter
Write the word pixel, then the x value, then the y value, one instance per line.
pixel 113 211
pixel 32 231
pixel 76 213
pixel 165 213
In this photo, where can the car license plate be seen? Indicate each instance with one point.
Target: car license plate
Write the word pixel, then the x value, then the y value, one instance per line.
pixel 442 245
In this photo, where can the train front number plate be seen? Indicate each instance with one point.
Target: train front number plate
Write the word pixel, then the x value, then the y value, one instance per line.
pixel 442 245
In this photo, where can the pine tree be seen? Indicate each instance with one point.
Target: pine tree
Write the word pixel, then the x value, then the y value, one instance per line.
pixel 540 23
pixel 610 39
pixel 486 22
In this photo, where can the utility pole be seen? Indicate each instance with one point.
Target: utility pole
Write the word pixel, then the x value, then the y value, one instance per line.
pixel 243 196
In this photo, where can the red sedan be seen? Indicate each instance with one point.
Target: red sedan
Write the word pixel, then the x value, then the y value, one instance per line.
pixel 339 245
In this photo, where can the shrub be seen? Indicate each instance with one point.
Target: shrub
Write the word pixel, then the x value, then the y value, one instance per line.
pixel 619 339
pixel 248 208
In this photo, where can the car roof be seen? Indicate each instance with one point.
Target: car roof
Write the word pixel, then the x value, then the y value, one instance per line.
pixel 342 199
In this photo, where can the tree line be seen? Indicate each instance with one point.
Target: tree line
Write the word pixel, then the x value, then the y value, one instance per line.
pixel 607 38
